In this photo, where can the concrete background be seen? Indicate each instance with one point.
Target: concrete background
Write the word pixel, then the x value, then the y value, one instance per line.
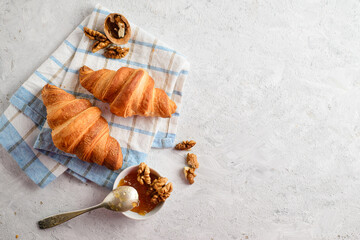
pixel 273 100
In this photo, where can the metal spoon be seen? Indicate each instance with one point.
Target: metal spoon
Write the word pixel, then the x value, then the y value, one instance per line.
pixel 121 199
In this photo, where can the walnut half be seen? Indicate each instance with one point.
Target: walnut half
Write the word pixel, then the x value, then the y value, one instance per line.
pixel 192 161
pixel 189 174
pixel 94 35
pixel 100 45
pixel 162 194
pixel 158 183
pixel 185 145
pixel 143 174
pixel 116 52
pixel 159 190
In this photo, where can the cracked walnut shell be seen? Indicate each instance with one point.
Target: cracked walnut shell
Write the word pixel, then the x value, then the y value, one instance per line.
pixel 192 161
pixel 185 145
pixel 189 174
pixel 117 28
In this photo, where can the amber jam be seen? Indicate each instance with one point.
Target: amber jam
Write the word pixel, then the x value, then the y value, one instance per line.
pixel 145 204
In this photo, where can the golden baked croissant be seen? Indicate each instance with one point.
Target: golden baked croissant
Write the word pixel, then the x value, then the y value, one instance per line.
pixel 78 128
pixel 128 91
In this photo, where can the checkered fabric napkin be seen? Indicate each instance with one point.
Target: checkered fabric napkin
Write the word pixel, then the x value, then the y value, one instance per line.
pixel 25 134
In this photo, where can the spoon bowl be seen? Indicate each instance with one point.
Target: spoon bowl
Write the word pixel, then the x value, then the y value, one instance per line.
pixel 121 199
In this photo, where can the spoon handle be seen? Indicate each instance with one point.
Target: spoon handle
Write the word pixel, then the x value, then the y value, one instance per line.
pixel 55 220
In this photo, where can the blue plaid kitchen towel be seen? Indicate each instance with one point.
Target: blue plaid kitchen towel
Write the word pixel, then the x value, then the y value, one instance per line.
pixel 24 132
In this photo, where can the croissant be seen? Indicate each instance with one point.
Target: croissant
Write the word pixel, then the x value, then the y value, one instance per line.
pixel 128 91
pixel 78 128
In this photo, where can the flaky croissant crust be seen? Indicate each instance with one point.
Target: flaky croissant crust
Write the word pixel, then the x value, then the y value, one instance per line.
pixel 128 91
pixel 78 128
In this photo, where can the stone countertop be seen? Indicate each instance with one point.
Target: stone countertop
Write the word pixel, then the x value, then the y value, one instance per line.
pixel 272 98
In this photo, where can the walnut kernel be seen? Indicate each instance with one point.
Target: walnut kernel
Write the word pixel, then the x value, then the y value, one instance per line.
pixel 185 145
pixel 121 29
pixel 99 45
pixel 143 174
pixel 192 161
pixel 159 190
pixel 116 52
pixel 162 194
pixel 189 174
pixel 94 35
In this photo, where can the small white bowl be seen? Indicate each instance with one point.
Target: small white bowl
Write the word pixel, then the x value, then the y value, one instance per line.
pixel 134 215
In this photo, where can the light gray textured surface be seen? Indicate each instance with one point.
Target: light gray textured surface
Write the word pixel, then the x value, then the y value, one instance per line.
pixel 273 100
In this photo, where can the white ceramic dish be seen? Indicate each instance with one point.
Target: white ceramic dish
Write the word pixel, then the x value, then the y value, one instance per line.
pixel 134 215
